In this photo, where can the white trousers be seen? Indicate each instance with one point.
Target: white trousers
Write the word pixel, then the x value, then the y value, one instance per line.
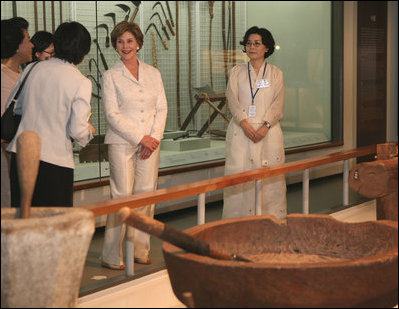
pixel 128 175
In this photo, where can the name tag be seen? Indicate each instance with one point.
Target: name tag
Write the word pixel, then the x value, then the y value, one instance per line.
pixel 262 83
pixel 252 111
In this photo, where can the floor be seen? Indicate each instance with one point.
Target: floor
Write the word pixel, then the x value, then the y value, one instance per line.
pixel 325 196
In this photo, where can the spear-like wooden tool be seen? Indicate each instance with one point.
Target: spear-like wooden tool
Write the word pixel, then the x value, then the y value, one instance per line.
pixel 175 237
pixel 28 156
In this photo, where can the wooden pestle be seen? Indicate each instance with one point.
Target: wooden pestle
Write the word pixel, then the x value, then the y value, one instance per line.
pixel 28 156
pixel 175 237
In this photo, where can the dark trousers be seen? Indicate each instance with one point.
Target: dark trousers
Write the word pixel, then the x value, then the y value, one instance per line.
pixel 54 185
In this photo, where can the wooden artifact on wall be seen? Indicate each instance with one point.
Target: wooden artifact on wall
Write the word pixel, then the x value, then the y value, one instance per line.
pixel 126 9
pixel 112 15
pixel 35 16
pixel 170 13
pixel 159 35
pixel 189 51
pixel 211 15
pixel 162 25
pixel 154 50
pixel 164 14
pixel 178 67
pixel 107 41
pixel 136 4
pixel 224 39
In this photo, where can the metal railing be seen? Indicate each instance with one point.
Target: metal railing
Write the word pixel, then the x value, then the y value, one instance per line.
pixel 201 187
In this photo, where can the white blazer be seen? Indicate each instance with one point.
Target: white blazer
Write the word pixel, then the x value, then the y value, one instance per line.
pixel 55 103
pixel 133 108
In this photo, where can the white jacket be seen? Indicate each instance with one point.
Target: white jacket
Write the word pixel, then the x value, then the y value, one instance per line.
pixel 133 108
pixel 55 103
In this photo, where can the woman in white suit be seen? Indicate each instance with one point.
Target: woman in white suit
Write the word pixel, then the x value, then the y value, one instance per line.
pixel 254 138
pixel 55 103
pixel 135 107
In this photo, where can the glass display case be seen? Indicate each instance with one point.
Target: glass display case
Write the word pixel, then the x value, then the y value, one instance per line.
pixel 194 44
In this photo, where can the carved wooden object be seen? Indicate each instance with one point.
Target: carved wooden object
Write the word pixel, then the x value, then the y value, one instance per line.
pixel 379 179
pixel 303 261
pixel 28 156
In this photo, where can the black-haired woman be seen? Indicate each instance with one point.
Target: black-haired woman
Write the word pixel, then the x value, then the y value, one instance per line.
pixel 55 103
pixel 16 49
pixel 43 46
pixel 254 138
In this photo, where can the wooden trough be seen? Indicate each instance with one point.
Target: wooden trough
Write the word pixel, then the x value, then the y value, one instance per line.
pixel 303 261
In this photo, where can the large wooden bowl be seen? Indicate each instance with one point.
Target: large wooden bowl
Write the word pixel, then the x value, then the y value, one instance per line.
pixel 304 261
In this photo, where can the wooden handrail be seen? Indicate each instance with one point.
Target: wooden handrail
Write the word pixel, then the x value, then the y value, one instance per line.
pixel 194 188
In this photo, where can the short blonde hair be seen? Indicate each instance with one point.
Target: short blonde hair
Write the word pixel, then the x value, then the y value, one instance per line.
pixel 124 26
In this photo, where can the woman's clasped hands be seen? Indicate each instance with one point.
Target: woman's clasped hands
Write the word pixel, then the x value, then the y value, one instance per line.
pixel 148 146
pixel 254 135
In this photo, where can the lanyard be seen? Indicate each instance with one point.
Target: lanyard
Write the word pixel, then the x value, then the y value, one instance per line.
pixel 250 83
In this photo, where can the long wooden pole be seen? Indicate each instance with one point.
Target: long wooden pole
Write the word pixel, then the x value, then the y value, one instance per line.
pixel 60 12
pixel 52 17
pixel 177 67
pixel 35 15
pixel 28 156
pixel 234 32
pixel 14 9
pixel 190 90
pixel 44 16
pixel 211 3
pixel 226 74
pixel 154 50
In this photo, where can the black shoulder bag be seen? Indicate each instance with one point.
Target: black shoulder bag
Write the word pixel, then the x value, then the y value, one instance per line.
pixel 9 120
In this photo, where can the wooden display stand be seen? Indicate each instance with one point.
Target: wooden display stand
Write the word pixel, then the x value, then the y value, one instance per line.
pixel 210 99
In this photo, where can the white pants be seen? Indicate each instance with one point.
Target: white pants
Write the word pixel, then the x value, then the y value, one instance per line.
pixel 128 175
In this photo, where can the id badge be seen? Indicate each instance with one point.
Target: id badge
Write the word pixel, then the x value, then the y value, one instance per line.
pixel 252 111
pixel 263 83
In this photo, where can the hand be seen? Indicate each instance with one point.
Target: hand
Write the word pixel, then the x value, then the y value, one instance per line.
pixel 260 134
pixel 91 128
pixel 4 145
pixel 145 153
pixel 249 131
pixel 149 142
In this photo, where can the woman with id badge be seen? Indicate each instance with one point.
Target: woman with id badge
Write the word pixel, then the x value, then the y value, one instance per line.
pixel 254 139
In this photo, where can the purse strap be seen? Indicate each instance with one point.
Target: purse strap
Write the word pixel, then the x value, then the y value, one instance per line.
pixel 23 82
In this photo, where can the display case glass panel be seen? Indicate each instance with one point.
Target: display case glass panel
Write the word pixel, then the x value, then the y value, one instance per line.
pixel 195 44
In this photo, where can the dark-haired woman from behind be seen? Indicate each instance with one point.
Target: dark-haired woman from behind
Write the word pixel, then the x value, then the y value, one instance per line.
pixel 55 103
pixel 16 49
